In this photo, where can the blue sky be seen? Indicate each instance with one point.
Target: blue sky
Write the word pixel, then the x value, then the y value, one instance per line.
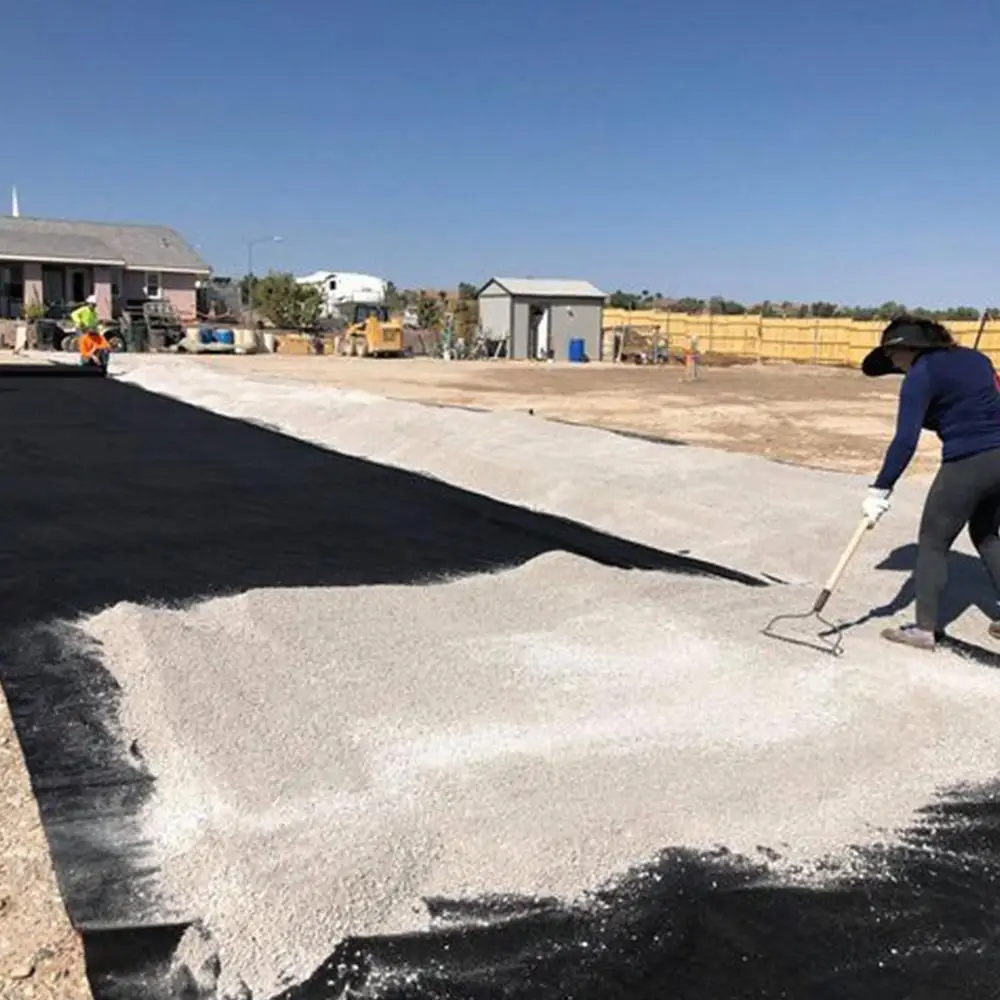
pixel 802 149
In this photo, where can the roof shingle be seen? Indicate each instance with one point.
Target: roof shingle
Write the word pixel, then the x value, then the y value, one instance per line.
pixel 148 248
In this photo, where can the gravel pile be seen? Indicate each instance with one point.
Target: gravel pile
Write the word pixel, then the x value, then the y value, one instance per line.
pixel 321 772
pixel 328 757
pixel 738 510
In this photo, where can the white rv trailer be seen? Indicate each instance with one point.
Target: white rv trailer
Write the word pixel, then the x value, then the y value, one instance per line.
pixel 341 288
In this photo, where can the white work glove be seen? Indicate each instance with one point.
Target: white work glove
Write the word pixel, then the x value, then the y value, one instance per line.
pixel 876 504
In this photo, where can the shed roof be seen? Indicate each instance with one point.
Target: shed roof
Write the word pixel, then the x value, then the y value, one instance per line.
pixel 556 288
pixel 150 248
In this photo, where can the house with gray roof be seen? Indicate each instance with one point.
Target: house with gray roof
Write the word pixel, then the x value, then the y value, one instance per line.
pixel 57 262
pixel 540 318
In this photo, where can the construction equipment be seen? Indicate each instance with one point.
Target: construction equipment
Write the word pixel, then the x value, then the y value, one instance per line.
pixel 822 640
pixel 369 332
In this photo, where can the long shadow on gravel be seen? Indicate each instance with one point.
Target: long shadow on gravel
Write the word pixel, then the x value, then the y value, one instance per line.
pixel 110 494
pixel 713 927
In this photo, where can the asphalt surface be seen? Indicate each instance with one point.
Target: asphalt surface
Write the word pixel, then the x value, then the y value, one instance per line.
pixel 113 494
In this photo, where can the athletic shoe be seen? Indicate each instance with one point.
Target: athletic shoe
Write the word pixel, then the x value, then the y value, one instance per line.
pixel 910 635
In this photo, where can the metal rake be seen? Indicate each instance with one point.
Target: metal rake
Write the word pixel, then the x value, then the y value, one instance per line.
pixel 820 640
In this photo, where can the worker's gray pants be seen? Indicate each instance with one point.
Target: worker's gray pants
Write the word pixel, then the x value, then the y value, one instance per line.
pixel 964 492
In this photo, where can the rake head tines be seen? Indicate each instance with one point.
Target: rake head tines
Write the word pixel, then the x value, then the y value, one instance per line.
pixel 828 640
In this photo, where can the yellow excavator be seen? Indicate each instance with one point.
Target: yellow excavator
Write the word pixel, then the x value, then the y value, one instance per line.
pixel 369 332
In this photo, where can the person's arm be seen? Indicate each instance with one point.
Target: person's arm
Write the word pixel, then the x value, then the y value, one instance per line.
pixel 914 398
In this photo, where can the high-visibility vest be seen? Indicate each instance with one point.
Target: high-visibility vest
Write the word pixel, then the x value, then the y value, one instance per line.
pixel 84 317
pixel 91 342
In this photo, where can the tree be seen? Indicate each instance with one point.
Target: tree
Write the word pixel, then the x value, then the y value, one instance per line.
pixel 721 306
pixel 823 310
pixel 393 298
pixel 278 297
pixel 765 309
pixel 466 291
pixel 689 305
pixel 889 309
pixel 466 316
pixel 429 312
pixel 962 312
pixel 623 300
pixel 247 282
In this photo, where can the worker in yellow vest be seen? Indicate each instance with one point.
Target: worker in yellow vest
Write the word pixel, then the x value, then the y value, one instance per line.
pixel 84 317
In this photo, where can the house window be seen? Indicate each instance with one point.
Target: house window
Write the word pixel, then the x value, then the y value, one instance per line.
pixel 152 287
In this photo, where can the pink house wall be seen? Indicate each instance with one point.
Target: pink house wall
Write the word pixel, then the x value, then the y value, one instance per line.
pixel 32 283
pixel 102 289
pixel 180 290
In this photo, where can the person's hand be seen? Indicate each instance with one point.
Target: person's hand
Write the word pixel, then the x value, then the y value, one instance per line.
pixel 875 505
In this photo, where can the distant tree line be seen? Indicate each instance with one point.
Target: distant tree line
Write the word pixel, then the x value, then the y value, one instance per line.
pixel 433 308
pixel 280 299
pixel 719 306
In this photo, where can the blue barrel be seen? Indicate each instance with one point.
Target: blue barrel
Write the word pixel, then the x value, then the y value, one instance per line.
pixel 206 335
pixel 578 350
pixel 225 337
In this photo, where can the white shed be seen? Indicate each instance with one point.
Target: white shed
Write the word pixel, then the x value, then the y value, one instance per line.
pixel 540 318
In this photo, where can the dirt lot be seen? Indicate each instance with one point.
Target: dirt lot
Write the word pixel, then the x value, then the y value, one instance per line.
pixel 40 955
pixel 826 418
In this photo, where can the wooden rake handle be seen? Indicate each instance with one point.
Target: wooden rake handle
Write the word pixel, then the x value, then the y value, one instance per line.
pixel 838 571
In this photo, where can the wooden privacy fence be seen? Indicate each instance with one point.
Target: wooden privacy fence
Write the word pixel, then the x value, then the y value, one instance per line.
pixel 810 341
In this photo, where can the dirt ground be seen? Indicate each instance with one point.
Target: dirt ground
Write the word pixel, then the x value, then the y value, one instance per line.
pixel 40 954
pixel 828 418
pixel 822 417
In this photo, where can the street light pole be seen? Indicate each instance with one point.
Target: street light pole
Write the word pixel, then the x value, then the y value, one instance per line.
pixel 250 245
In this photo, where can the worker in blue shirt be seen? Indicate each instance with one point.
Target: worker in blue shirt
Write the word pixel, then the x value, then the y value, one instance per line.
pixel 953 391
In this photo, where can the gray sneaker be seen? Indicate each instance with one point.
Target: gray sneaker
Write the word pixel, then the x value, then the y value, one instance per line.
pixel 910 635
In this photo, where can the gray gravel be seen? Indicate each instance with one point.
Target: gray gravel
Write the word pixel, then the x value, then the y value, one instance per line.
pixel 535 731
pixel 320 774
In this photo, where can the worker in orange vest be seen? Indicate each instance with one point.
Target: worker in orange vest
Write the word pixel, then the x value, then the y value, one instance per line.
pixel 94 349
pixel 94 346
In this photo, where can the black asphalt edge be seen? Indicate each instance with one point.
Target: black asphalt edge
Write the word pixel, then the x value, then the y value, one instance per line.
pixel 65 706
pixel 46 370
pixel 132 963
pixel 609 549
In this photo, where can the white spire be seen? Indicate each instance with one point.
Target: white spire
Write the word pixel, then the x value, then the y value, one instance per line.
pixel 14 208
